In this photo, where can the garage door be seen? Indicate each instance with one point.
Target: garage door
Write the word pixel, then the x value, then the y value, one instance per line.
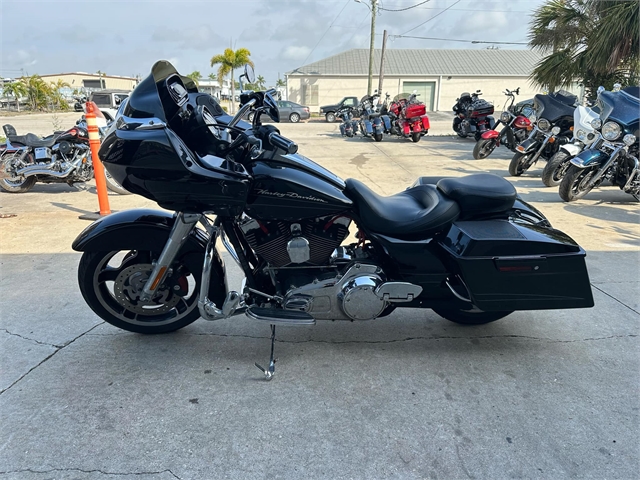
pixel 426 90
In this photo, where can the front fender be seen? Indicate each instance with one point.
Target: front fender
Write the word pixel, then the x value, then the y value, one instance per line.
pixel 571 149
pixel 589 158
pixel 529 145
pixel 146 229
pixel 489 134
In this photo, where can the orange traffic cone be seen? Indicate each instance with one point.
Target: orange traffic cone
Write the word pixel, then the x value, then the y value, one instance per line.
pixel 98 169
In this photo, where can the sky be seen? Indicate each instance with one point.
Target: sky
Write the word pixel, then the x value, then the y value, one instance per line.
pixel 128 37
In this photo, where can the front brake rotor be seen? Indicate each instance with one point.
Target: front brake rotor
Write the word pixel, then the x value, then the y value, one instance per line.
pixel 128 287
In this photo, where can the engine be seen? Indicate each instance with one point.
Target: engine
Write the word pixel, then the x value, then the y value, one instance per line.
pixel 310 241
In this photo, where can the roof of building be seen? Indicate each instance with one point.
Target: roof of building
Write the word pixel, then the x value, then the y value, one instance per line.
pixel 423 62
pixel 84 74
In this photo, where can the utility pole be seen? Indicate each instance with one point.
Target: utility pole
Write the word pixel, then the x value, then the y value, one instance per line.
pixel 374 4
pixel 381 77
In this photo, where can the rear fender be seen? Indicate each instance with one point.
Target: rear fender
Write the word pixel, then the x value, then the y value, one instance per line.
pixel 590 158
pixel 416 127
pixel 145 229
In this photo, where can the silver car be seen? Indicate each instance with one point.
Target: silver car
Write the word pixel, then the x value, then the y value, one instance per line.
pixel 289 111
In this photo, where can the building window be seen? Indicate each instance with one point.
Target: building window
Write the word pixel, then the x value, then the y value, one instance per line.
pixel 310 94
pixel 91 83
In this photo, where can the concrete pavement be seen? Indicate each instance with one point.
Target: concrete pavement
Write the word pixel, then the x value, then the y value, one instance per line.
pixel 550 394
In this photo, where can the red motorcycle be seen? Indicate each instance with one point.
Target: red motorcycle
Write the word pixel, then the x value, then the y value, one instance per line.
pixel 408 116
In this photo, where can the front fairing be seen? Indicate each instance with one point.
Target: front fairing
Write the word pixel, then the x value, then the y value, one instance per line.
pixel 619 107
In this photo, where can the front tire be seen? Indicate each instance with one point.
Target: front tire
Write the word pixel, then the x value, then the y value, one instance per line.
pixel 294 117
pixel 111 283
pixel 113 185
pixel 573 185
pixel 470 317
pixel 555 169
pixel 518 164
pixel 330 117
pixel 415 137
pixel 483 148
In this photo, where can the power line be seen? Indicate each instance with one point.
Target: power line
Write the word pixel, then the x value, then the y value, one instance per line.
pixel 458 40
pixel 325 33
pixel 436 15
pixel 403 9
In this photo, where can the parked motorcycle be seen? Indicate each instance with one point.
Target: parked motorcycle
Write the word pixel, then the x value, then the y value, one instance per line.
pixel 553 119
pixel 469 248
pixel 473 115
pixel 583 136
pixel 349 126
pixel 370 122
pixel 408 116
pixel 64 157
pixel 613 155
pixel 516 125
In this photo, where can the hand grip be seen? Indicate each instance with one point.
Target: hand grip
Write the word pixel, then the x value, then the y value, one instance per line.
pixel 283 143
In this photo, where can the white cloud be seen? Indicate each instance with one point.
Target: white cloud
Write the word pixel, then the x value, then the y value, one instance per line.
pixel 295 53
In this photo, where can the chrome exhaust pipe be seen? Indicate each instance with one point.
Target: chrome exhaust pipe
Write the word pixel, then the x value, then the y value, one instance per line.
pixel 40 170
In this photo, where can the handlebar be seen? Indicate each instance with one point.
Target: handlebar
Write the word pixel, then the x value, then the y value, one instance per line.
pixel 283 143
pixel 244 109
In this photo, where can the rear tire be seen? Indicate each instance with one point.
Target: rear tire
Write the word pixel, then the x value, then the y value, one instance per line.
pixel 555 169
pixel 17 186
pixel 330 117
pixel 465 317
pixel 415 137
pixel 377 137
pixel 483 148
pixel 517 164
pixel 294 117
pixel 572 185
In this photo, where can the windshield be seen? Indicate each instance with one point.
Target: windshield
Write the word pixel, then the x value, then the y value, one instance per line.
pixel 402 96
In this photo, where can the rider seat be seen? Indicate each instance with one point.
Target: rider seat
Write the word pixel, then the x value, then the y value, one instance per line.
pixel 31 140
pixel 417 213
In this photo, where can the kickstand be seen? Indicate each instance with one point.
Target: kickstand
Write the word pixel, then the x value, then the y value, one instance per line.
pixel 268 374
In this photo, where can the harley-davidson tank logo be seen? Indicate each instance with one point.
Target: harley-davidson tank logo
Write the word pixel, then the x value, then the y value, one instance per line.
pixel 290 195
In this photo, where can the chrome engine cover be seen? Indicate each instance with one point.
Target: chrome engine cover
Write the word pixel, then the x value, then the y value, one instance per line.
pixel 348 297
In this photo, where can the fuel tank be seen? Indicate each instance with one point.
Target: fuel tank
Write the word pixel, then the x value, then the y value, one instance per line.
pixel 292 187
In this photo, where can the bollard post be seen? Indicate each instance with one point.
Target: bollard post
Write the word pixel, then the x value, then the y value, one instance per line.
pixel 98 168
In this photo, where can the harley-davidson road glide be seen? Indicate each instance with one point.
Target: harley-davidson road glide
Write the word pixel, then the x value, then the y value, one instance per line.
pixel 468 248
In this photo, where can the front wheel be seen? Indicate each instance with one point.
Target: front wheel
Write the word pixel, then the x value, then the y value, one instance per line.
pixel 415 137
pixel 471 317
pixel 574 185
pixel 113 185
pixel 112 282
pixel 519 164
pixel 484 148
pixel 556 168
pixel 330 117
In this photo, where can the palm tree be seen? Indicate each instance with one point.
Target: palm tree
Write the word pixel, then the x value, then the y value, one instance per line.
pixel 16 89
pixel 196 76
pixel 586 40
pixel 261 83
pixel 280 83
pixel 229 61
pixel 38 91
pixel 56 94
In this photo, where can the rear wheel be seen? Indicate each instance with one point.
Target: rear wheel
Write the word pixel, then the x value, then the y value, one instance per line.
pixel 556 168
pixel 470 317
pixel 112 282
pixel 330 117
pixel 377 137
pixel 17 184
pixel 294 117
pixel 574 184
pixel 483 148
pixel 519 164
pixel 415 137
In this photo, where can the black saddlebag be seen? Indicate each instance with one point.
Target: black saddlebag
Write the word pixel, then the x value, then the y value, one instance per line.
pixel 517 266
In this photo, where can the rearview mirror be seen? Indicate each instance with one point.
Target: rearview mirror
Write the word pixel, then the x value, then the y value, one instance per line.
pixel 249 73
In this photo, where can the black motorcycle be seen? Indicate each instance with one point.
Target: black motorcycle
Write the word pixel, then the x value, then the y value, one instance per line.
pixel 468 247
pixel 349 126
pixel 553 119
pixel 473 115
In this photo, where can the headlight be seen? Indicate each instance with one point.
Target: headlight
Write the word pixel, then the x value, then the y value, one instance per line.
pixel 581 135
pixel 597 123
pixel 555 130
pixel 629 139
pixel 544 124
pixel 505 117
pixel 532 117
pixel 611 131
